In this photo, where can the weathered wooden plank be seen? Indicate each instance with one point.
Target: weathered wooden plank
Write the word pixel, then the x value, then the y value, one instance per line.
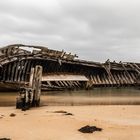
pixel 130 77
pixel 116 78
pixel 127 78
pixel 57 82
pixel 95 77
pixel 92 80
pixel 76 83
pixel 64 77
pixel 127 73
pixel 61 83
pixel 37 85
pixel 29 66
pixel 133 76
pixel 120 79
pixel 106 79
pixel 70 83
pixel 31 78
pixel 4 72
pixel 100 77
pixel 102 80
pixel 64 82
pixel 17 69
pixel 135 67
pixel 49 83
pixel 9 72
pixel 124 78
pixel 21 66
pixel 24 71
pixel 112 79
pixel 13 71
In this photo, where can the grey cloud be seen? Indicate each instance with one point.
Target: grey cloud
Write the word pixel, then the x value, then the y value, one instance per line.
pixel 94 29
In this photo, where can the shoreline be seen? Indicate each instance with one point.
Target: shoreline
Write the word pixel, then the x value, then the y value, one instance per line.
pixel 77 100
pixel 117 121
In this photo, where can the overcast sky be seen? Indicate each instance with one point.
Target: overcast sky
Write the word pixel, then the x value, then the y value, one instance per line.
pixel 93 29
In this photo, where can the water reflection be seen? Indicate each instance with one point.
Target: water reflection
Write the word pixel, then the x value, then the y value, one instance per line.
pixel 81 97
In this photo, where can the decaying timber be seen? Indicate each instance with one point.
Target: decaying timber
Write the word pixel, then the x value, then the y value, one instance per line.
pixel 61 70
pixel 30 96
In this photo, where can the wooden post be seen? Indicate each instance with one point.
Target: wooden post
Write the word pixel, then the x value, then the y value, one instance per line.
pixel 30 96
pixel 37 86
pixel 31 78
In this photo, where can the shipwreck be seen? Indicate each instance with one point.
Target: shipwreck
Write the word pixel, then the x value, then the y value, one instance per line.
pixel 61 70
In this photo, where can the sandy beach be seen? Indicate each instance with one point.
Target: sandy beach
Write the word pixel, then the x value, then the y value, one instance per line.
pixel 118 123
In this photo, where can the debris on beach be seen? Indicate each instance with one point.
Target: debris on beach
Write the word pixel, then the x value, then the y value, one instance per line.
pixel 68 114
pixel 63 112
pixel 1 116
pixel 12 115
pixel 89 129
pixel 25 114
pixel 60 111
pixel 5 139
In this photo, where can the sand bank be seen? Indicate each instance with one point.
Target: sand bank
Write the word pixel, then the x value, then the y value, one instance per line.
pixel 118 123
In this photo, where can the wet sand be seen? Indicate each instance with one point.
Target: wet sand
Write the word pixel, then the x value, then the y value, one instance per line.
pixel 119 122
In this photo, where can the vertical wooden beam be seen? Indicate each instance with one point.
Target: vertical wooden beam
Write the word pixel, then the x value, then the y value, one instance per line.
pixel 21 66
pixel 4 72
pixel 37 85
pixel 13 71
pixel 17 69
pixel 31 78
pixel 9 72
pixel 24 71
pixel 29 66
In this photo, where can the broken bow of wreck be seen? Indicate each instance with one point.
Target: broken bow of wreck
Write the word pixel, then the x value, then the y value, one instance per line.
pixel 61 70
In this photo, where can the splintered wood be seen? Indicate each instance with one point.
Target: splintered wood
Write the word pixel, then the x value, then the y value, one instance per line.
pixel 61 70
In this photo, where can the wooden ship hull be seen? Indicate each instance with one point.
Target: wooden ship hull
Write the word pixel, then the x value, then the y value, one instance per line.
pixel 61 70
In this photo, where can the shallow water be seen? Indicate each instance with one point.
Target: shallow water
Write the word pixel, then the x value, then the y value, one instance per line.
pixel 97 96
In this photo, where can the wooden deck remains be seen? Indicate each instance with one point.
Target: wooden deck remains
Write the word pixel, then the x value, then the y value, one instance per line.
pixel 61 70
